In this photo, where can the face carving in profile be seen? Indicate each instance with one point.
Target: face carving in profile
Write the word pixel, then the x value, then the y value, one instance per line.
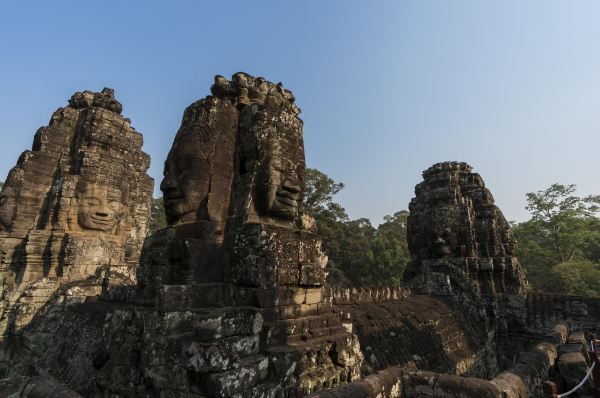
pixel 282 189
pixel 185 183
pixel 98 209
pixel 273 150
pixel 8 204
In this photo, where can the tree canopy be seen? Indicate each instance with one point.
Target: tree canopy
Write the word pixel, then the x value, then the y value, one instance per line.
pixel 559 246
pixel 157 215
pixel 359 253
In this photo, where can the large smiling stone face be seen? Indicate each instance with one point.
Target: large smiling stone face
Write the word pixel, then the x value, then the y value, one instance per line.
pixel 281 188
pixel 99 209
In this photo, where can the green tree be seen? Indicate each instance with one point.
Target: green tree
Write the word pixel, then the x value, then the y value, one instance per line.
pixel 320 190
pixel 580 277
pixel 390 247
pixel 330 218
pixel 563 221
pixel 359 254
pixel 563 231
pixel 157 215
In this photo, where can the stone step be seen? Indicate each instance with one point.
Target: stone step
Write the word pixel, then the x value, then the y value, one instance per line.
pixel 251 371
pixel 225 351
pixel 297 311
pixel 300 329
pixel 318 358
pixel 275 340
pixel 286 300
pixel 210 324
pixel 303 324
pixel 303 347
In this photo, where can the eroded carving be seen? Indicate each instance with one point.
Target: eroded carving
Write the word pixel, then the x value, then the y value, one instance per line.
pixel 104 99
pixel 462 247
pixel 454 215
pixel 8 204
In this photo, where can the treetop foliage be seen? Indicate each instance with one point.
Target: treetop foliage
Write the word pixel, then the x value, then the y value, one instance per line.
pixel 157 215
pixel 560 246
pixel 320 190
pixel 359 253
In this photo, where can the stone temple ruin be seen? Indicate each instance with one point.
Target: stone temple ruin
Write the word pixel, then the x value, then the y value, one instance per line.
pixel 230 299
pixel 73 210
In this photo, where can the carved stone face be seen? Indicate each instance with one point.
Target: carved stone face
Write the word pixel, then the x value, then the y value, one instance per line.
pixel 441 245
pixel 98 209
pixel 7 206
pixel 443 234
pixel 273 151
pixel 282 193
pixel 185 184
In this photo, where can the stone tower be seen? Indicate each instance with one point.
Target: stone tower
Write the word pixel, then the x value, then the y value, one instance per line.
pixel 240 255
pixel 271 246
pixel 463 249
pixel 74 208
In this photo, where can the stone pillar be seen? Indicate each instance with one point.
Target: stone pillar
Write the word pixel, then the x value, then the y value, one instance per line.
pixel 272 249
pixel 239 251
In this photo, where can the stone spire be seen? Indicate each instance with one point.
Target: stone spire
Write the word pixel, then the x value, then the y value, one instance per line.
pixel 462 246
pixel 74 205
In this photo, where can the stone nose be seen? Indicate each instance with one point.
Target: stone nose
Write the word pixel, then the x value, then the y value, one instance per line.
pixel 168 184
pixel 104 213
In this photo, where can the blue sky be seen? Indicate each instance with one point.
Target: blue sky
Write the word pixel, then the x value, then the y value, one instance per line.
pixel 387 88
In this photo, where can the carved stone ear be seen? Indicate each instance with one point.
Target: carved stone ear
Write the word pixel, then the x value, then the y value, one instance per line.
pixel 72 217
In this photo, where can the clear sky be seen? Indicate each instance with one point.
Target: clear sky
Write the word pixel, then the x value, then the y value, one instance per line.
pixel 387 88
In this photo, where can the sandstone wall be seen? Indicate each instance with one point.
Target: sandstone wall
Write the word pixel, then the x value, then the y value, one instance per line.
pixel 544 310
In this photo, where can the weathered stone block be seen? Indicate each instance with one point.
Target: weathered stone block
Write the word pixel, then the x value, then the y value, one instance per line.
pixel 213 358
pixel 250 372
pixel 314 296
pixel 226 322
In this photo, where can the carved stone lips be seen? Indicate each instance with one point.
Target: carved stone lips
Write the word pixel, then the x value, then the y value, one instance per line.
pixel 293 202
pixel 103 220
pixel 288 195
pixel 171 199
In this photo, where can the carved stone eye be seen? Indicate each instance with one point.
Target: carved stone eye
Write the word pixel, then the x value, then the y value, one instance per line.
pixel 93 202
